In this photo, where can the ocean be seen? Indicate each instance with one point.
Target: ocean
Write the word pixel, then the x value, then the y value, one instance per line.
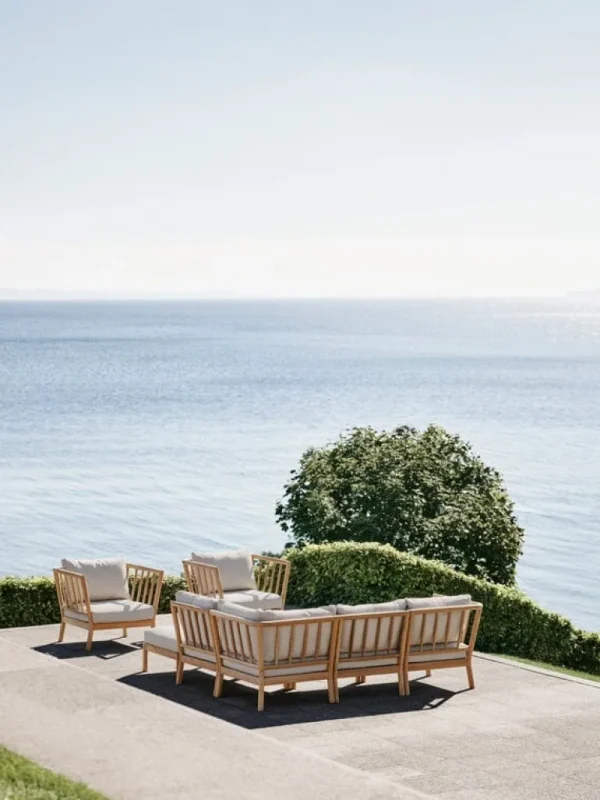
pixel 148 429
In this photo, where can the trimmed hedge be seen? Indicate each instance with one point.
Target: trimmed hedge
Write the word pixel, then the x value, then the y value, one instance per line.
pixel 32 601
pixel 351 572
pixel 511 623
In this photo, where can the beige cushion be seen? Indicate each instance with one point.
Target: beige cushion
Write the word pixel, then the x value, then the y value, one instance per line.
pixel 236 569
pixel 279 641
pixel 391 662
pixel 117 611
pixel 198 600
pixel 252 598
pixel 106 577
pixel 252 669
pixel 449 623
pixel 161 637
pixel 432 655
pixel 202 655
pixel 372 634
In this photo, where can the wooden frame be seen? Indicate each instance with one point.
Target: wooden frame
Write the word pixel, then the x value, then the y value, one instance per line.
pixel 438 638
pixel 193 629
pixel 387 630
pixel 271 574
pixel 243 643
pixel 73 595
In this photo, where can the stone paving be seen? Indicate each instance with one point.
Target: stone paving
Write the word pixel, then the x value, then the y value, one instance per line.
pixel 521 735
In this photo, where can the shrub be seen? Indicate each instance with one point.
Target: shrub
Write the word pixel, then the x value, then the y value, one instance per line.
pixel 426 493
pixel 32 601
pixel 511 623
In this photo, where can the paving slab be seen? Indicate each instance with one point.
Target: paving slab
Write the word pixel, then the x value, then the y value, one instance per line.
pixel 522 734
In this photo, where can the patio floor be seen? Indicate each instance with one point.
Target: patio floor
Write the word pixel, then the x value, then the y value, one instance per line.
pixel 521 734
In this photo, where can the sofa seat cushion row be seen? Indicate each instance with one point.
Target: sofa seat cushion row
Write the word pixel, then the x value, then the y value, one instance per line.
pixel 106 577
pixel 163 637
pixel 253 669
pixel 236 569
pixel 115 611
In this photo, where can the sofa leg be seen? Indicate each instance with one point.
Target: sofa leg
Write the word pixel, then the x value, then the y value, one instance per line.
pixel 61 632
pixel 407 684
pixel 179 672
pixel 289 686
pixel 470 675
pixel 428 673
pixel 218 690
pixel 361 679
pixel 90 636
pixel 261 698
pixel 331 691
pixel 124 633
pixel 144 660
pixel 401 684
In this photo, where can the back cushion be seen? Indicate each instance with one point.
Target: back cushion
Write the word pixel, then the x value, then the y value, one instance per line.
pixel 198 600
pixel 371 635
pixel 106 577
pixel 236 569
pixel 449 626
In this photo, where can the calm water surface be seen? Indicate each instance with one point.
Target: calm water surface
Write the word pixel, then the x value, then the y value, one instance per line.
pixel 148 429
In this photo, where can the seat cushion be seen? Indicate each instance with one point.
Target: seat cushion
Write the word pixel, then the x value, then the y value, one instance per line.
pixel 106 577
pixel 202 655
pixel 162 637
pixel 117 611
pixel 198 600
pixel 252 669
pixel 433 654
pixel 252 598
pixel 387 661
pixel 236 569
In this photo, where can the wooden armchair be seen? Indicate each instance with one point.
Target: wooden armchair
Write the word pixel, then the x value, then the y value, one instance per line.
pixel 271 577
pixel 441 638
pixel 107 594
pixel 281 651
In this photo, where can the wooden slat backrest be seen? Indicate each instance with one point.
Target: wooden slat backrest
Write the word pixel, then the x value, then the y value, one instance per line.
pixel 72 591
pixel 202 578
pixel 272 575
pixel 444 629
pixel 275 643
pixel 372 635
pixel 145 584
pixel 193 627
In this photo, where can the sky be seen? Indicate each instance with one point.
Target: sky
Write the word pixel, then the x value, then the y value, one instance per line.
pixel 276 148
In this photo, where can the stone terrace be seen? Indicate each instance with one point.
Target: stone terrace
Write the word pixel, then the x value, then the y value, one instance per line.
pixel 521 734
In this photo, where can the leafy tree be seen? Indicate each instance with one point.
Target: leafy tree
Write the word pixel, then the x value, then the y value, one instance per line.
pixel 425 492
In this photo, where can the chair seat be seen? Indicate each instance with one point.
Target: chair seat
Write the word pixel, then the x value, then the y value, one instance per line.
pixel 252 669
pixel 252 598
pixel 117 611
pixel 428 654
pixel 162 637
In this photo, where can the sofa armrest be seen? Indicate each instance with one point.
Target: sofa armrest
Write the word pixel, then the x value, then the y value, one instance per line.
pixel 145 584
pixel 72 592
pixel 272 575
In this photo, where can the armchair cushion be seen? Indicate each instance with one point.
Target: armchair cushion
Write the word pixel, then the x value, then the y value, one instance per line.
pixel 106 577
pixel 372 608
pixel 162 637
pixel 252 598
pixel 236 569
pixel 438 601
pixel 417 656
pixel 117 611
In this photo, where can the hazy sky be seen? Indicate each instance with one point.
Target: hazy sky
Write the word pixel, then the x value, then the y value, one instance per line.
pixel 300 147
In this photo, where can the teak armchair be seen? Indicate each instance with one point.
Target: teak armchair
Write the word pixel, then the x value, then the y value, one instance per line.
pixel 136 608
pixel 271 577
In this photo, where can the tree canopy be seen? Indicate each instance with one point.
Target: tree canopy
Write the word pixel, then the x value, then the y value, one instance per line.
pixel 424 492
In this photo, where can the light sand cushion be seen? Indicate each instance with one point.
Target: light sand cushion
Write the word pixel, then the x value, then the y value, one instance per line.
pixel 252 598
pixel 374 635
pixel 454 654
pixel 117 611
pixel 203 655
pixel 391 661
pixel 449 624
pixel 252 669
pixel 236 569
pixel 198 600
pixel 106 577
pixel 162 637
pixel 281 642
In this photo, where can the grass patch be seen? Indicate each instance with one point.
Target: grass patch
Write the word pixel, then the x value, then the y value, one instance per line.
pixel 21 779
pixel 562 670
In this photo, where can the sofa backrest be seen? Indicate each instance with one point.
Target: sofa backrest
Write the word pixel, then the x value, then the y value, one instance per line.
pixel 440 621
pixel 106 577
pixel 371 628
pixel 275 637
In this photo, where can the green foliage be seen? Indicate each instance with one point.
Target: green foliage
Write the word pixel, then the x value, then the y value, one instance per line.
pixel 426 493
pixel 512 623
pixel 21 778
pixel 32 601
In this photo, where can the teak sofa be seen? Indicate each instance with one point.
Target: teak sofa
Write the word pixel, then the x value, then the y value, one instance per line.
pixel 105 594
pixel 239 577
pixel 267 647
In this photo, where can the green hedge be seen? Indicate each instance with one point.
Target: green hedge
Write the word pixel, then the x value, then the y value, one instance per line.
pixel 32 601
pixel 511 623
